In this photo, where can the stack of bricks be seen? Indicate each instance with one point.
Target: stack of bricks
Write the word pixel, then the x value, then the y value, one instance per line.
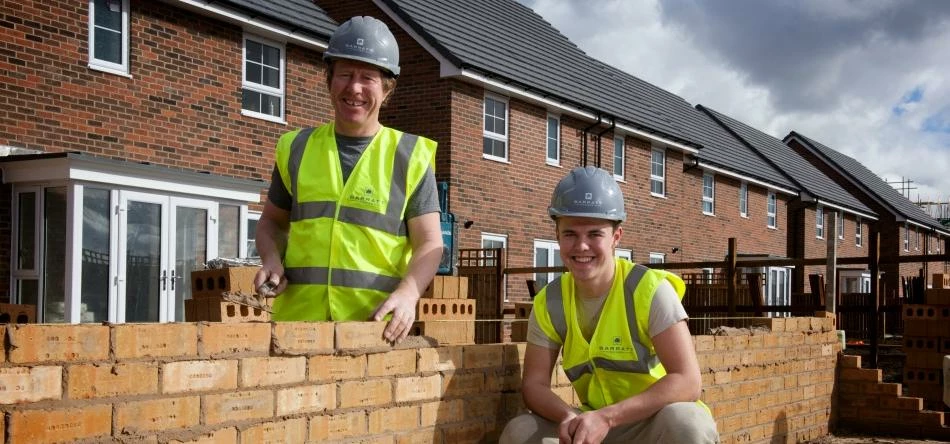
pixel 208 304
pixel 926 341
pixel 445 313
pixel 880 408
pixel 519 326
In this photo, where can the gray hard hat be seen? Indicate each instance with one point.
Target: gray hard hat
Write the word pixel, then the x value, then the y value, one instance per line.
pixel 365 39
pixel 588 192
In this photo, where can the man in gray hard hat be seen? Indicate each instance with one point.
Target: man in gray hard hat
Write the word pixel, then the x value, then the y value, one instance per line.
pixel 350 230
pixel 620 329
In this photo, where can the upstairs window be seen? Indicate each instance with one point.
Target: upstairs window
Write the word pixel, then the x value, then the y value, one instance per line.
pixel 840 224
pixel 495 136
pixel 772 210
pixel 553 156
pixel 744 199
pixel 709 194
pixel 262 93
pixel 858 233
pixel 658 173
pixel 109 36
pixel 618 157
pixel 820 222
pixel 906 237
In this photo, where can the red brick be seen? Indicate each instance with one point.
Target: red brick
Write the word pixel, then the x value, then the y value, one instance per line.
pixel 229 339
pixel 393 419
pixel 360 335
pixel 105 380
pixel 30 384
pixel 259 372
pixel 158 414
pixel 134 341
pixel 336 367
pixel 392 363
pixel 287 431
pixel 300 338
pixel 211 283
pixel 374 392
pixel 306 399
pixel 445 309
pixel 236 406
pixel 196 376
pixel 446 332
pixel 418 388
pixel 59 425
pixel 49 343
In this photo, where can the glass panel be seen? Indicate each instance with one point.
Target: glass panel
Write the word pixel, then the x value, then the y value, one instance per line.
pixel 108 45
pixel 28 291
pixel 253 51
pixel 26 242
pixel 191 250
pixel 95 256
pixel 251 100
pixel 251 238
pixel 271 56
pixel 541 260
pixel 54 255
pixel 108 14
pixel 270 105
pixel 271 77
pixel 143 262
pixel 228 230
pixel 252 72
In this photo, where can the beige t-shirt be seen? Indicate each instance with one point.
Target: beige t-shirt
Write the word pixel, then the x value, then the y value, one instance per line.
pixel 665 311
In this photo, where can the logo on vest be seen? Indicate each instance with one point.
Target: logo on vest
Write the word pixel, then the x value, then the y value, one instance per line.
pixel 616 345
pixel 366 196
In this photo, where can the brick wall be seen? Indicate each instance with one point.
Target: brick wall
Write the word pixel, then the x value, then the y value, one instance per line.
pixel 292 382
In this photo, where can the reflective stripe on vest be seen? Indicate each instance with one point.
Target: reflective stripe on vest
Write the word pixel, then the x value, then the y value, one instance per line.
pixel 555 306
pixel 391 222
pixel 341 277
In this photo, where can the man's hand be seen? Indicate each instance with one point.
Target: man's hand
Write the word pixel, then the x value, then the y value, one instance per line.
pixel 402 305
pixel 586 428
pixel 269 280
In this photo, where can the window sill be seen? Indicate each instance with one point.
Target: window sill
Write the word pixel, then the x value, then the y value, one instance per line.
pixel 553 164
pixel 261 116
pixel 659 196
pixel 110 70
pixel 495 159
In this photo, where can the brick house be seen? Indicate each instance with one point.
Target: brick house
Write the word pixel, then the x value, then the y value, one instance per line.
pixel 904 227
pixel 143 134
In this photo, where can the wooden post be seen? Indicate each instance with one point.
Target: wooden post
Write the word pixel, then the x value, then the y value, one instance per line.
pixel 874 264
pixel 755 292
pixel 731 278
pixel 831 278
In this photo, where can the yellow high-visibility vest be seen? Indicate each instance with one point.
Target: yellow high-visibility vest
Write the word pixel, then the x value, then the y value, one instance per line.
pixel 347 246
pixel 620 360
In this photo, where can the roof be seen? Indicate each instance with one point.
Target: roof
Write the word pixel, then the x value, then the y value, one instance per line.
pixel 872 184
pixel 723 150
pixel 508 42
pixel 301 14
pixel 805 175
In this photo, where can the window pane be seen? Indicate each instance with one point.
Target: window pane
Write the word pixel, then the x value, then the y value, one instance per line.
pixel 228 230
pixel 253 72
pixel 54 284
pixel 95 255
pixel 270 105
pixel 500 124
pixel 108 45
pixel 254 51
pixel 271 77
pixel 28 291
pixel 143 260
pixel 107 17
pixel 191 250
pixel 271 56
pixel 252 238
pixel 541 260
pixel 251 100
pixel 26 242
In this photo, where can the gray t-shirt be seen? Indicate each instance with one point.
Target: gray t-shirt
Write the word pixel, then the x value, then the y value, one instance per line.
pixel 424 200
pixel 665 311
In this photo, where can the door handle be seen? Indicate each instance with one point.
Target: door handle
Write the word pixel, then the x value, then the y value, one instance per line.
pixel 173 279
pixel 162 279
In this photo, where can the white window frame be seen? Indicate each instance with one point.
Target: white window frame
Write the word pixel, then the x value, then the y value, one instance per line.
pixel 556 160
pixel 503 239
pixel 624 253
pixel 916 239
pixel 493 135
pixel 658 179
pixel 707 275
pixel 246 217
pixel 906 236
pixel 260 88
pixel 840 224
pixel 744 199
pixel 554 251
pixel 122 68
pixel 819 222
pixel 620 161
pixel 709 194
pixel 858 232
pixel 771 210
pixel 657 258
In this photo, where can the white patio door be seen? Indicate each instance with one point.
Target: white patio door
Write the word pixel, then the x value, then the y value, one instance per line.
pixel 161 239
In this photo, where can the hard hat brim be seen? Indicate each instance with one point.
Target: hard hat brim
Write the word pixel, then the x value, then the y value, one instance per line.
pixel 387 68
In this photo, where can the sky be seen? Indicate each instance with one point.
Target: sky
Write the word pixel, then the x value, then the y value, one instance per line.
pixel 868 78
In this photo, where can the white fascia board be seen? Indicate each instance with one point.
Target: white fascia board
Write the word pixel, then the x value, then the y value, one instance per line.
pixel 274 31
pixel 70 169
pixel 748 179
pixel 927 227
pixel 846 210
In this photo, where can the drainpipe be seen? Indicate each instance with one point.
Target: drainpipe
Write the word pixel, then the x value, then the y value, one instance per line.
pixel 586 131
pixel 613 124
